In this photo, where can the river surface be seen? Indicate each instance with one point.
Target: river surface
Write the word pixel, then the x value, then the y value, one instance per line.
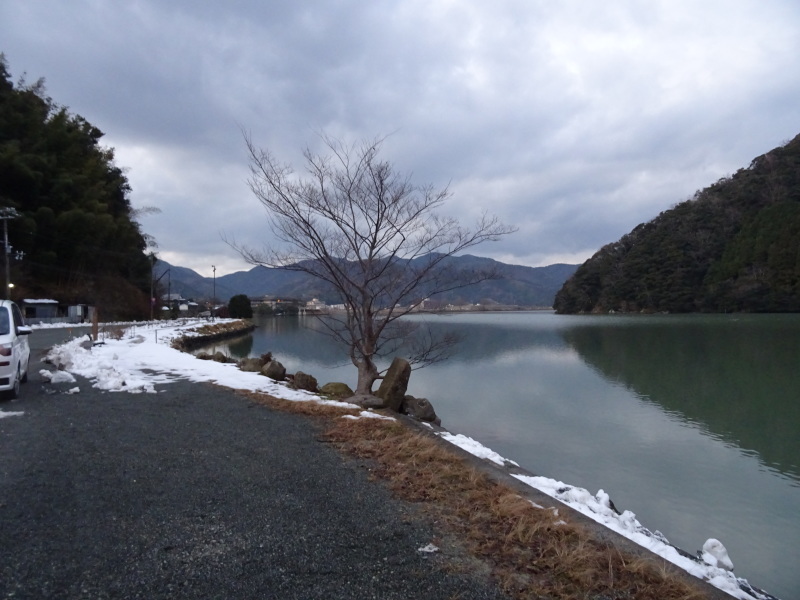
pixel 691 422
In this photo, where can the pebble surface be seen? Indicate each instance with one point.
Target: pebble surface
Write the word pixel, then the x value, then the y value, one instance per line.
pixel 194 492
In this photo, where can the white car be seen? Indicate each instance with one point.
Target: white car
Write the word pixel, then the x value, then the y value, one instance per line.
pixel 14 349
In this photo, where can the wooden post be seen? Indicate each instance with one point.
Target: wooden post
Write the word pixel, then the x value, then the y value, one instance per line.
pixel 95 326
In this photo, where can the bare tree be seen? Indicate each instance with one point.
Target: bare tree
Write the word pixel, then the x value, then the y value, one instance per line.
pixel 355 223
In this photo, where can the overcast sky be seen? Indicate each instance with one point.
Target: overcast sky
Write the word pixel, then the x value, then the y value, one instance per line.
pixel 574 120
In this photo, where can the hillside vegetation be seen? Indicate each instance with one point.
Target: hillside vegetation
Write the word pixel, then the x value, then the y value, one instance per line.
pixel 73 235
pixel 734 247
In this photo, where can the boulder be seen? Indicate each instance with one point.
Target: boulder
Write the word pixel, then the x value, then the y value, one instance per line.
pixel 274 370
pixel 251 365
pixel 420 409
pixel 367 401
pixel 304 381
pixel 221 358
pixel 337 390
pixel 393 387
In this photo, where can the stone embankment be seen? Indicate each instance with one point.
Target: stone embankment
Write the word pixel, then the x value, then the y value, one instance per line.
pixel 213 332
pixel 391 395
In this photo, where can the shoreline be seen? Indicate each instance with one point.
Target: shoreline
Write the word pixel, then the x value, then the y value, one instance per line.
pixel 507 473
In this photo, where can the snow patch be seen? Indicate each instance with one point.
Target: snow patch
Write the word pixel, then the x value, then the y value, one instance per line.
pixel 4 414
pixel 600 508
pixel 366 414
pixel 476 448
pixel 57 376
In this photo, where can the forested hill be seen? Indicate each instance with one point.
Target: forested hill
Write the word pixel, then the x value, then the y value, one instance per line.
pixel 735 246
pixel 71 228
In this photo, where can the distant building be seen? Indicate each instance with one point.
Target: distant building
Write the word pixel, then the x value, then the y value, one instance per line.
pixel 33 309
pixel 314 306
pixel 51 311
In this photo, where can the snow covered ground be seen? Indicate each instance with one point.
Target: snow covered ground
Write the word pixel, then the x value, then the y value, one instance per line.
pixel 143 358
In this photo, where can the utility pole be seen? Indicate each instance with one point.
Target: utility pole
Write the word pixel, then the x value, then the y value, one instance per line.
pixel 7 213
pixel 152 284
pixel 214 294
pixel 154 288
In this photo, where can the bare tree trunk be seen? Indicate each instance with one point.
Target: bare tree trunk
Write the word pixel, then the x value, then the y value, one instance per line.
pixel 367 374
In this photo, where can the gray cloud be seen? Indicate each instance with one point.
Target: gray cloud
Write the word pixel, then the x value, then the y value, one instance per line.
pixel 574 121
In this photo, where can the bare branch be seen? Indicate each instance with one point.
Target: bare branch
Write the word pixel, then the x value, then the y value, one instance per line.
pixel 370 233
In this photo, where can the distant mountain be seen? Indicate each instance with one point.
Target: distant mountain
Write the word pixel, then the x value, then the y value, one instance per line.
pixel 734 247
pixel 188 283
pixel 517 285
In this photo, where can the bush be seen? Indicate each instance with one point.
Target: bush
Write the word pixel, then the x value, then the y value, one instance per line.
pixel 239 307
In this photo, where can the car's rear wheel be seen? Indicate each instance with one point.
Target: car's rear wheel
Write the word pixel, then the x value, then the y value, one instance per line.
pixel 24 378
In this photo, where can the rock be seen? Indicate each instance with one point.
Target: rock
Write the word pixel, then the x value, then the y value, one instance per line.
pixel 265 358
pixel 251 365
pixel 393 387
pixel 304 381
pixel 203 356
pixel 367 401
pixel 221 358
pixel 274 370
pixel 337 390
pixel 420 409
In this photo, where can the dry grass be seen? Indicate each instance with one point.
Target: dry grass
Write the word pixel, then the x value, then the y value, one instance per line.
pixel 532 552
pixel 115 332
pixel 228 327
pixel 210 332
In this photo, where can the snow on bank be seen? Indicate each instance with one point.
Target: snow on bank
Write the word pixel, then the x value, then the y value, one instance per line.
pixel 144 358
pixel 476 448
pixel 713 566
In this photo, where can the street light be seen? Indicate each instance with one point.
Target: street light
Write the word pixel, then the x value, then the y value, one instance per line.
pixel 7 213
pixel 214 294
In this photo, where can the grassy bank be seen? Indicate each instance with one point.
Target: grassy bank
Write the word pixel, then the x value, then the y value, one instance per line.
pixel 531 551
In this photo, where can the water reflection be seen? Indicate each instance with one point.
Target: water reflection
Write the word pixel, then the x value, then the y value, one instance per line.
pixel 736 376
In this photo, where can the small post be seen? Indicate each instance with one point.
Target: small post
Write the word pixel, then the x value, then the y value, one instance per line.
pixel 95 325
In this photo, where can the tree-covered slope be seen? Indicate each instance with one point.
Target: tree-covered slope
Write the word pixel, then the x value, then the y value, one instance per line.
pixel 75 238
pixel 735 246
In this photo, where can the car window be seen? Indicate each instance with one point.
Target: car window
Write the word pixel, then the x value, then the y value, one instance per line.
pixel 18 320
pixel 5 327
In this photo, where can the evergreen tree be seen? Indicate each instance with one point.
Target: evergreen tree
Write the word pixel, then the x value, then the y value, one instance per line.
pixel 239 307
pixel 76 235
pixel 735 246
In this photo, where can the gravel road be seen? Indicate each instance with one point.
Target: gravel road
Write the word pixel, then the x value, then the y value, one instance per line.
pixel 196 493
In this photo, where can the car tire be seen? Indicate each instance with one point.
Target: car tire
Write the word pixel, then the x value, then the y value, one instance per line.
pixel 24 378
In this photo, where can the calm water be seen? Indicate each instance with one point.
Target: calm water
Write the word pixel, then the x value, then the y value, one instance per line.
pixel 691 422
